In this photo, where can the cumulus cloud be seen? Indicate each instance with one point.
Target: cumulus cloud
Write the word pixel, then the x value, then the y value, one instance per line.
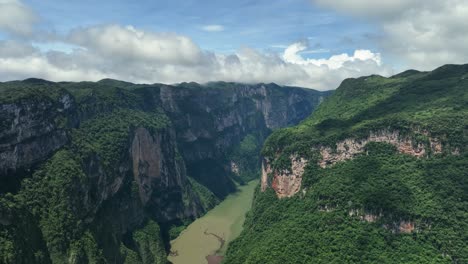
pixel 213 28
pixel 423 34
pixel 131 54
pixel 134 55
pixel 291 55
pixel 15 49
pixel 128 43
pixel 16 18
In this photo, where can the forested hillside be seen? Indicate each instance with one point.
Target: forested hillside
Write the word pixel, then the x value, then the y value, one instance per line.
pixel 378 174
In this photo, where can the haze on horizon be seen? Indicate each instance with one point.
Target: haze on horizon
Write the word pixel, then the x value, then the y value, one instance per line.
pixel 308 43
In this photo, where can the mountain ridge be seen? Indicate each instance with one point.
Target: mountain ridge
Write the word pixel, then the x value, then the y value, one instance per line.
pixel 378 173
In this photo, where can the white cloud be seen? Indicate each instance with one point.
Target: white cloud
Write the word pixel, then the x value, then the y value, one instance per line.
pixel 291 55
pixel 133 55
pixel 39 65
pixel 15 49
pixel 423 34
pixel 315 51
pixel 16 18
pixel 128 43
pixel 213 28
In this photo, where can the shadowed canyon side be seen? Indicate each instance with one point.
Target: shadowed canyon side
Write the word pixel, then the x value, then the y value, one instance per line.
pixel 377 174
pixel 101 172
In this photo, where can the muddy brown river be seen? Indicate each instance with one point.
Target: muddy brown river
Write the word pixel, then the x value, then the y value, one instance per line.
pixel 208 237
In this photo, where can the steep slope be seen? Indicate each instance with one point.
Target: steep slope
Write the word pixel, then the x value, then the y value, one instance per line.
pixel 378 174
pixel 99 172
pixel 212 120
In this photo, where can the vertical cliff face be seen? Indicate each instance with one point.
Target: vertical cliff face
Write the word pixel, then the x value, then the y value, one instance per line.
pixel 32 130
pixel 212 119
pixel 286 182
pixel 161 177
pixel 102 163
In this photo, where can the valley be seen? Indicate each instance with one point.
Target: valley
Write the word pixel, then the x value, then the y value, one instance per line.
pixel 234 132
pixel 110 171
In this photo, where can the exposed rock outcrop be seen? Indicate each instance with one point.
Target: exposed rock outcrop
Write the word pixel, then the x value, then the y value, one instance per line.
pixel 406 227
pixel 31 130
pixel 349 148
pixel 401 226
pixel 266 170
pixel 161 177
pixel 286 183
pixel 234 168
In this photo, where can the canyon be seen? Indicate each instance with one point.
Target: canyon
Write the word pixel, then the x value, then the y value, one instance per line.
pixel 123 159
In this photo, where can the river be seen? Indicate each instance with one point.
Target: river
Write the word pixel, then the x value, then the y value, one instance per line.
pixel 210 235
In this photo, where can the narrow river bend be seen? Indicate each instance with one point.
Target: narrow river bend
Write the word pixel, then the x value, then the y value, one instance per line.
pixel 208 237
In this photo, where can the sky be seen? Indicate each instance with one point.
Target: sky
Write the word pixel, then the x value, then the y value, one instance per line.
pixel 308 43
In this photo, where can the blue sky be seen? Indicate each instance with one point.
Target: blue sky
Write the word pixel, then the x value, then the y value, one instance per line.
pixel 309 43
pixel 259 24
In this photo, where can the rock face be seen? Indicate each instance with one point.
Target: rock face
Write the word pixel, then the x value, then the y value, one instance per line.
pixel 286 183
pixel 401 226
pixel 30 132
pixel 349 148
pixel 160 176
pixel 266 170
pixel 234 168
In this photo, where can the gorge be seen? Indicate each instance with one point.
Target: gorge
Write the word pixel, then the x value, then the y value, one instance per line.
pixel 107 172
pixel 114 172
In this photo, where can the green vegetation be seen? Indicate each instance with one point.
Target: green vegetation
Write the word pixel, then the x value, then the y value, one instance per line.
pixel 149 244
pixel 29 89
pixel 46 219
pixel 81 203
pixel 207 198
pixel 104 95
pixel 107 134
pixel 48 197
pixel 246 156
pixel 326 222
pixel 148 247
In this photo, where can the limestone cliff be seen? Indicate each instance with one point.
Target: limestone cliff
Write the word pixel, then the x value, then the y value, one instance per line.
pixel 287 182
